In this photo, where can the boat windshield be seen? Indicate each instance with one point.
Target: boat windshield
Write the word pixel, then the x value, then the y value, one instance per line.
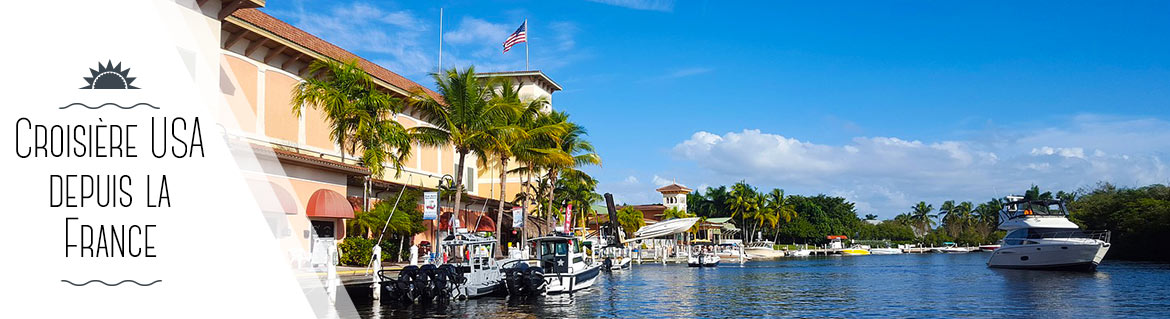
pixel 554 248
pixel 1034 208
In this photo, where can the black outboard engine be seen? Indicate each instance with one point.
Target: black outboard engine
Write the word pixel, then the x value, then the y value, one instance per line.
pixel 534 281
pixel 607 264
pixel 523 281
pixel 400 289
pixel 514 279
pixel 421 285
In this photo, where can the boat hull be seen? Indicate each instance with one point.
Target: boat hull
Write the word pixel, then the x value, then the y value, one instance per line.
pixel 763 253
pixel 885 251
pixel 565 283
pixel 703 261
pixel 800 253
pixel 1056 256
pixel 854 252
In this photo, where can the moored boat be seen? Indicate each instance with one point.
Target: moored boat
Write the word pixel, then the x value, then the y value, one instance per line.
pixel 702 254
pixel 566 267
pixel 1040 236
pixel 885 251
pixel 855 250
pixel 763 249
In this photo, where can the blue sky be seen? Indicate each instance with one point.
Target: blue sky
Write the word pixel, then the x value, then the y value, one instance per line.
pixel 883 103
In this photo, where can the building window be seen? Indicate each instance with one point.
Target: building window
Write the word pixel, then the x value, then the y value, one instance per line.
pixel 469 183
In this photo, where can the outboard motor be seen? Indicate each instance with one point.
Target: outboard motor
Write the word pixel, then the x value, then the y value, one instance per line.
pixel 400 289
pixel 514 279
pixel 421 285
pixel 607 264
pixel 534 281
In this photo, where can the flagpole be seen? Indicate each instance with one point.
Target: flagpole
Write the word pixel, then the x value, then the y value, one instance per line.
pixel 527 38
pixel 440 71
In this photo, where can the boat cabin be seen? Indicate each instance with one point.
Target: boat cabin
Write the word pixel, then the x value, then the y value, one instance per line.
pixel 558 253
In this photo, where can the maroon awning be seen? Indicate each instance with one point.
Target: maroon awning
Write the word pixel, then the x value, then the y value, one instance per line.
pixel 329 204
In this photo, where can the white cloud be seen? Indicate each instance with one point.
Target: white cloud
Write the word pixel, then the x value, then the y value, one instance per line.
pixel 631 180
pixel 659 181
pixel 404 42
pixel 1073 152
pixel 389 38
pixel 651 5
pixel 885 175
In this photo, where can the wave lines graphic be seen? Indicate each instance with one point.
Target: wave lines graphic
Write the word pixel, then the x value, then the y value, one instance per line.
pixel 111 285
pixel 108 104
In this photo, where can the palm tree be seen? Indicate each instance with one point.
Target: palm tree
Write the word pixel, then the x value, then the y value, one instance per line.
pixel 631 220
pixel 778 203
pixel 921 217
pixel 674 212
pixel 742 201
pixel 526 144
pixel 572 146
pixel 1034 194
pixel 358 113
pixel 578 189
pixel 467 118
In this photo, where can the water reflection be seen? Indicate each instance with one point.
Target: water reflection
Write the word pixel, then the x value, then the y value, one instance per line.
pixel 942 285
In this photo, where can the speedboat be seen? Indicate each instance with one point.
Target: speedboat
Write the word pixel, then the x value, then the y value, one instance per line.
pixel 1040 236
pixel 800 253
pixel 855 250
pixel 884 251
pixel 763 249
pixel 666 227
pixel 702 254
pixel 566 268
pixel 731 250
pixel 950 248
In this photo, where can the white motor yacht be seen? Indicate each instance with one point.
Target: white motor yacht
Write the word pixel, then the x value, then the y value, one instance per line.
pixel 1040 236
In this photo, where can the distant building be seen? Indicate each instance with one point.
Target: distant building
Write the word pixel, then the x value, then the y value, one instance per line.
pixel 873 221
pixel 675 195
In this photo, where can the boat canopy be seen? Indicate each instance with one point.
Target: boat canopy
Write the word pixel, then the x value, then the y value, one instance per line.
pixel 837 237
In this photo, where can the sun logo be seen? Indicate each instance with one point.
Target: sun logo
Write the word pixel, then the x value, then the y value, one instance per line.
pixel 109 77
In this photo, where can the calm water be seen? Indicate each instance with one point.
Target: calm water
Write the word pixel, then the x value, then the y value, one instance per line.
pixel 912 285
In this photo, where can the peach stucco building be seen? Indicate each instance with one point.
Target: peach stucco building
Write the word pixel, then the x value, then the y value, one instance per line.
pixel 263 58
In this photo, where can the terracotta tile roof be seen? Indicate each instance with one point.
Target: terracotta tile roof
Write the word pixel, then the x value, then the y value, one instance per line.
pixel 314 160
pixel 298 36
pixel 674 188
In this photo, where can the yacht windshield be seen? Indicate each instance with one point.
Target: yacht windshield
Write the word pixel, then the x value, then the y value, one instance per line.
pixel 1034 208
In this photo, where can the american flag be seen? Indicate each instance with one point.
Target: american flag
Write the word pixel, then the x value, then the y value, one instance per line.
pixel 521 35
